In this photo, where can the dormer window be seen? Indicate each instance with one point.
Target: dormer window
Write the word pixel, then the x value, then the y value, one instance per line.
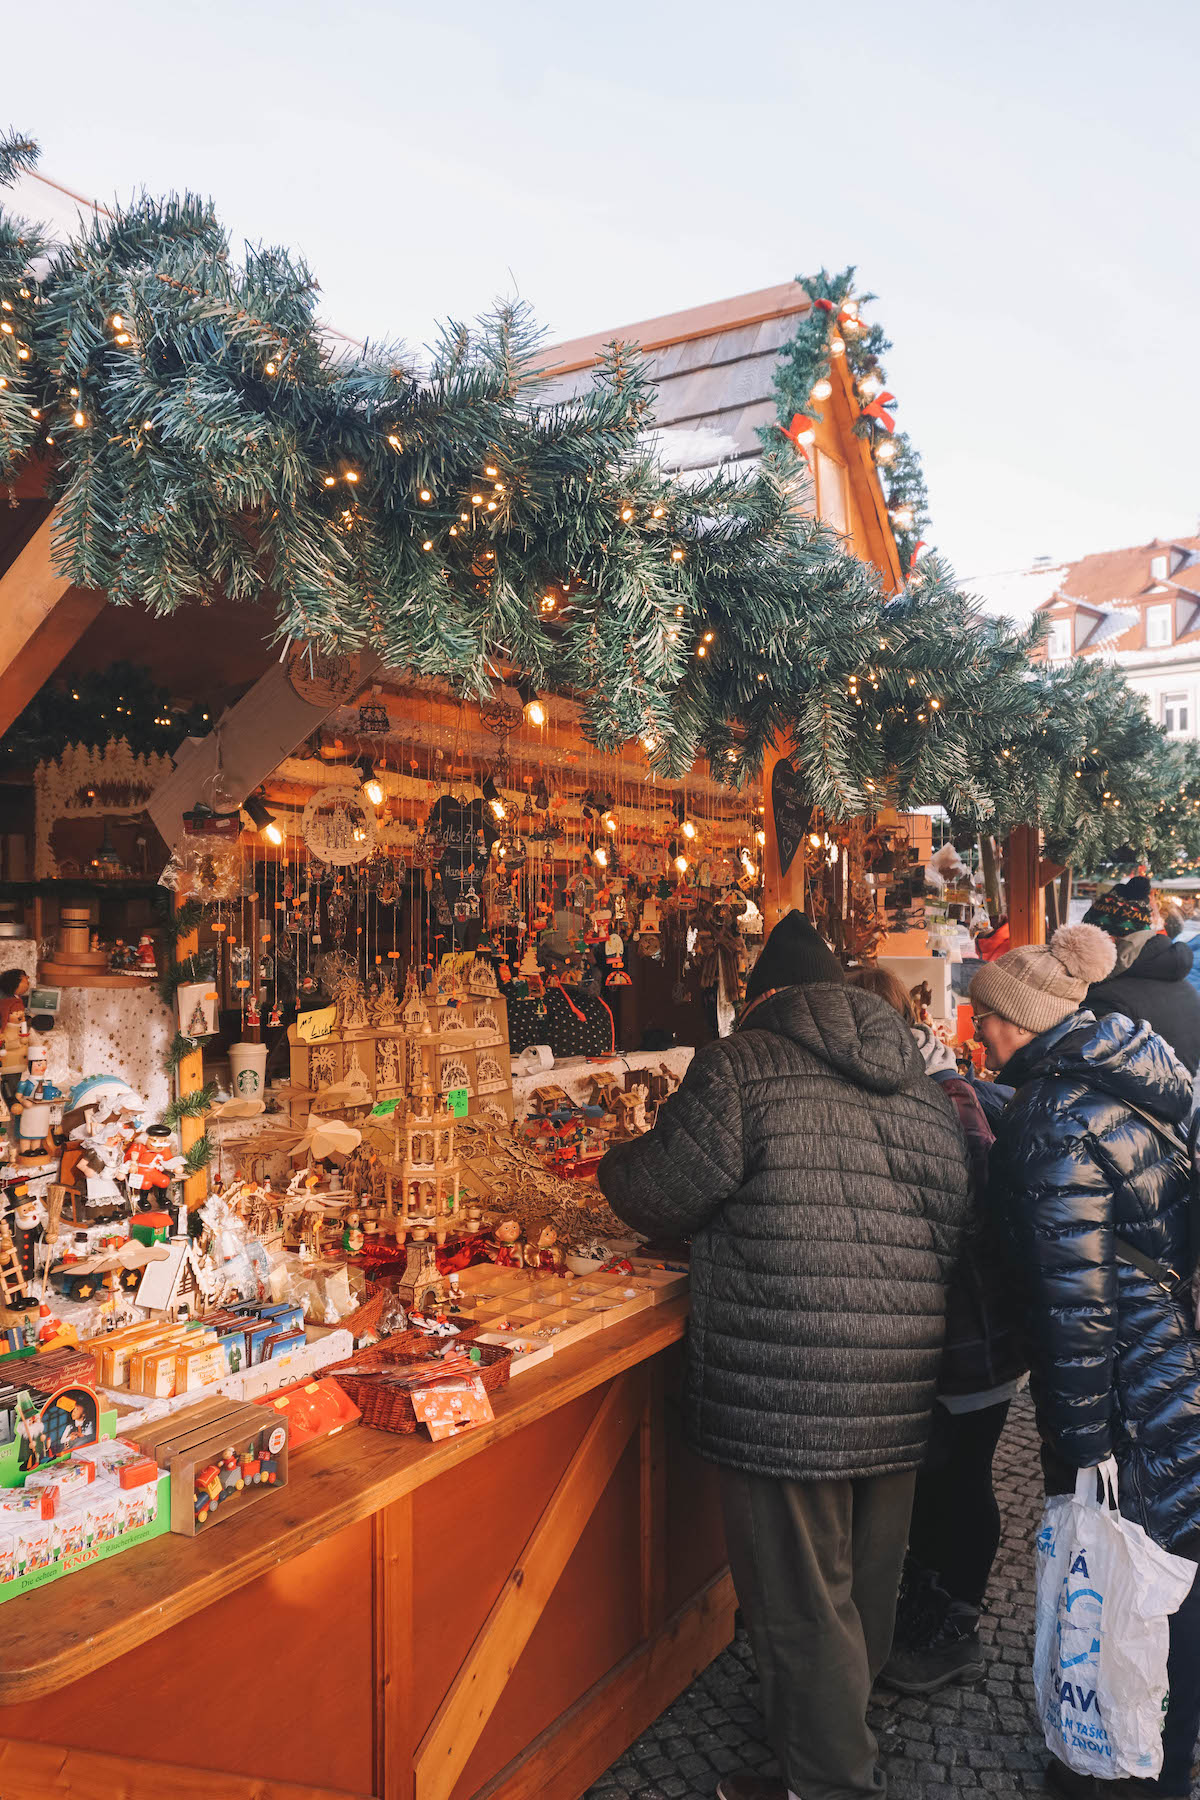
pixel 1059 645
pixel 1158 626
pixel 1158 568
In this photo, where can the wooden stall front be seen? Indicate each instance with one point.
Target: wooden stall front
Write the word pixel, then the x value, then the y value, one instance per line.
pixel 497 1615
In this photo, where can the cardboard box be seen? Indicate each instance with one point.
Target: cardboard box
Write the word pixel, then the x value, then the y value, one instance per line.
pixel 219 1463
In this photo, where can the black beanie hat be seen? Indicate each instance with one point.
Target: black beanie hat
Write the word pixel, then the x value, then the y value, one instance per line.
pixel 793 956
pixel 1124 909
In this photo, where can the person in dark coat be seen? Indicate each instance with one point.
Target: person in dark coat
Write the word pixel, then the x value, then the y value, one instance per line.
pixel 955 1529
pixel 1150 976
pixel 1089 1165
pixel 822 1179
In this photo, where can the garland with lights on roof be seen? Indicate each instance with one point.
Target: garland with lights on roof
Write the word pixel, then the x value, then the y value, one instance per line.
pixel 833 330
pixel 200 435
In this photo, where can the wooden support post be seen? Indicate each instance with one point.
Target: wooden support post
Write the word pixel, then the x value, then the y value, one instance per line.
pixel 1026 913
pixel 396 1666
pixel 476 1690
pixel 190 1080
pixel 991 878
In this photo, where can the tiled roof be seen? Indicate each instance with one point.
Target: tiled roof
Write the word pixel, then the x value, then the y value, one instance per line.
pixel 1112 575
pixel 1113 623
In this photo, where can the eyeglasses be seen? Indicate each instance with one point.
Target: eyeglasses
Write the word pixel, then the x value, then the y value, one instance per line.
pixel 983 1013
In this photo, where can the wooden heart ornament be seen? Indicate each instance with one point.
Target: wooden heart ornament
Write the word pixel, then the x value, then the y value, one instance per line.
pixel 791 812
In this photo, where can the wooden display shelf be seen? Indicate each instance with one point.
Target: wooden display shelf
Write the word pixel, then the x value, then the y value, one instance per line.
pixel 69 978
pixel 487 1618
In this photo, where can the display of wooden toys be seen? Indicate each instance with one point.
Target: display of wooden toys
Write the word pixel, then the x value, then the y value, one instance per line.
pixel 221 1456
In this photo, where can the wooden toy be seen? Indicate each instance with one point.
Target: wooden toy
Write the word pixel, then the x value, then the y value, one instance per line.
pixel 221 1457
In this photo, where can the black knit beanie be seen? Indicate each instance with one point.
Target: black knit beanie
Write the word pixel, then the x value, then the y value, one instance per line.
pixel 1124 909
pixel 793 956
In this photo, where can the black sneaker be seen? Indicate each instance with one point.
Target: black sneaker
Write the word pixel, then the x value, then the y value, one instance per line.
pixel 950 1652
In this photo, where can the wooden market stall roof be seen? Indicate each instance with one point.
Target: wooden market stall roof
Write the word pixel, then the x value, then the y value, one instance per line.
pixel 713 369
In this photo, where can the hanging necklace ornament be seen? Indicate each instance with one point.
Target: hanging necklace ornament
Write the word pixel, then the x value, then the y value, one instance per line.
pixel 500 719
pixel 339 826
pixel 373 720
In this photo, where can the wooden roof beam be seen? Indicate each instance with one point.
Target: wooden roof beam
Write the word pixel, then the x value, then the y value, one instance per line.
pixel 42 617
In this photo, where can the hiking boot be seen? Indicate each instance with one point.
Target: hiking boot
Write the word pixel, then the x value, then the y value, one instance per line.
pixel 747 1786
pixel 949 1652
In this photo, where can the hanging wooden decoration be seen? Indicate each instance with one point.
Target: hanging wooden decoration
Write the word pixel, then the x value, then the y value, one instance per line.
pixel 339 825
pixel 792 814
pixel 321 677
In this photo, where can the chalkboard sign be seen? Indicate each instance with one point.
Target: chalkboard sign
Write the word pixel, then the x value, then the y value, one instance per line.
pixel 791 812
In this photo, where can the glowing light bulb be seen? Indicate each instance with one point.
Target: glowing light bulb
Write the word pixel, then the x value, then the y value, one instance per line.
pixel 869 386
pixel 659 511
pixel 649 745
pixel 116 321
pixel 627 513
pixel 535 712
pixel 428 544
pixel 426 495
pixel 373 789
pixel 681 863
pixel 123 337
pixel 760 837
pixel 330 481
pixel 454 531
pixel 702 650
pixel 270 368
pixel 497 807
pixel 677 556
pixel 822 389
pixel 837 346
pixel 490 471
pixel 79 419
pixel 814 839
pixel 601 856
pixel 6 328
pixel 689 830
pixel 352 475
pixel 394 441
pixel 22 355
pixel 886 452
pixel 273 835
pixel 610 824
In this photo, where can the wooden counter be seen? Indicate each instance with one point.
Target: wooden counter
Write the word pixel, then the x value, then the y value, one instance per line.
pixel 495 1616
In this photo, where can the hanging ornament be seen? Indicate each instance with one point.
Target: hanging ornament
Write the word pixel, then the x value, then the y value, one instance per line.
pixel 339 826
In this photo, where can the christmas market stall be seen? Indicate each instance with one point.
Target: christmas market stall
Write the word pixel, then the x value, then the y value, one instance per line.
pixel 403 761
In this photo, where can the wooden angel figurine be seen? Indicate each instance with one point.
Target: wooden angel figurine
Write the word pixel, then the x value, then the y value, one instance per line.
pixel 504 1246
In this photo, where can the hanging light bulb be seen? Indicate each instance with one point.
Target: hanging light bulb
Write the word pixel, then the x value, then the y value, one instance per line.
pixel 531 705
pixel 760 837
pixel 681 863
pixel 886 452
pixel 869 386
pixel 822 389
pixel 689 830
pixel 600 856
pixel 372 786
pixel 837 346
pixel 262 819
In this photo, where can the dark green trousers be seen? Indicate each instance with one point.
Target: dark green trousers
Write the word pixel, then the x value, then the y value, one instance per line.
pixel 817 1568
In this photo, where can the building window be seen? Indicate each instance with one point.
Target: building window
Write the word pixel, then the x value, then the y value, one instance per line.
pixel 1158 626
pixel 1175 714
pixel 1058 644
pixel 831 493
pixel 1158 568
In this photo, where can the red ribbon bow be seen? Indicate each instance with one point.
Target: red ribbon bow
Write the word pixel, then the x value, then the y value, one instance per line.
pixel 800 425
pixel 917 549
pixel 825 305
pixel 878 410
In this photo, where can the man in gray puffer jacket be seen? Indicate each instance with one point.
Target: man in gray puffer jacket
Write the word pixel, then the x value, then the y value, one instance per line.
pixel 822 1178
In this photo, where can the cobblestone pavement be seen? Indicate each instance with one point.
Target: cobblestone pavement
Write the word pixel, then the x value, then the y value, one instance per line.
pixel 982 1738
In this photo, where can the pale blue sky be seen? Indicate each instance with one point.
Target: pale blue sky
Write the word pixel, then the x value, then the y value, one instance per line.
pixel 1017 182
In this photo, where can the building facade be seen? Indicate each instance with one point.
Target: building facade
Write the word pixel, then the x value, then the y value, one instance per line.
pixel 1140 609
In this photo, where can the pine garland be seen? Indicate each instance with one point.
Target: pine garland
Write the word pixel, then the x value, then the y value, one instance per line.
pixel 202 437
pixel 180 1046
pixel 199 1156
pixel 190 1106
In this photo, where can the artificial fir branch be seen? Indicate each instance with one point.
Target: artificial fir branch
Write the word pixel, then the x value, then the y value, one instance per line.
pixel 190 1106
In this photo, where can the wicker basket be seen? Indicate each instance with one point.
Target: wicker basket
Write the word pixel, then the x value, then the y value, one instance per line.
pixel 390 1408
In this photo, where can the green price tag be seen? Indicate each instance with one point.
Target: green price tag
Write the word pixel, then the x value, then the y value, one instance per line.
pixel 383 1109
pixel 458 1098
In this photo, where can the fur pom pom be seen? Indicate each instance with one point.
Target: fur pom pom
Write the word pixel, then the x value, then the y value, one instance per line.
pixel 1084 951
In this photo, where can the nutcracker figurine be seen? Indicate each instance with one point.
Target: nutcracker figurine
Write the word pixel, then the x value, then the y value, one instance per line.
pixel 149 1165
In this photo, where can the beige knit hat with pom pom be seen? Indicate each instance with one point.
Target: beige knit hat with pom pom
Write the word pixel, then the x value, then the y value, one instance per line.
pixel 1040 985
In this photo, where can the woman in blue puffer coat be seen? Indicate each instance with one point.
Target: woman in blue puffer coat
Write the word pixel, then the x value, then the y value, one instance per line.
pixel 1080 1177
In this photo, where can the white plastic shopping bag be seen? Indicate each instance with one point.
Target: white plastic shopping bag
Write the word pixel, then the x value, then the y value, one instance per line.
pixel 1105 1594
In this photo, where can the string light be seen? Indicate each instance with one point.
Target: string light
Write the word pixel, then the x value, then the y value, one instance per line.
pixel 659 512
pixel 677 556
pixel 426 495
pixel 394 441
pixel 79 419
pixel 870 386
pixel 270 368
pixel 689 830
pixel 837 346
pixel 352 475
pixel 428 544
pixel 490 471
pixel 627 513
pixel 822 389
pixel 886 452
pixel 331 481
pixel 600 855
pixel 681 863
pixel 760 837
